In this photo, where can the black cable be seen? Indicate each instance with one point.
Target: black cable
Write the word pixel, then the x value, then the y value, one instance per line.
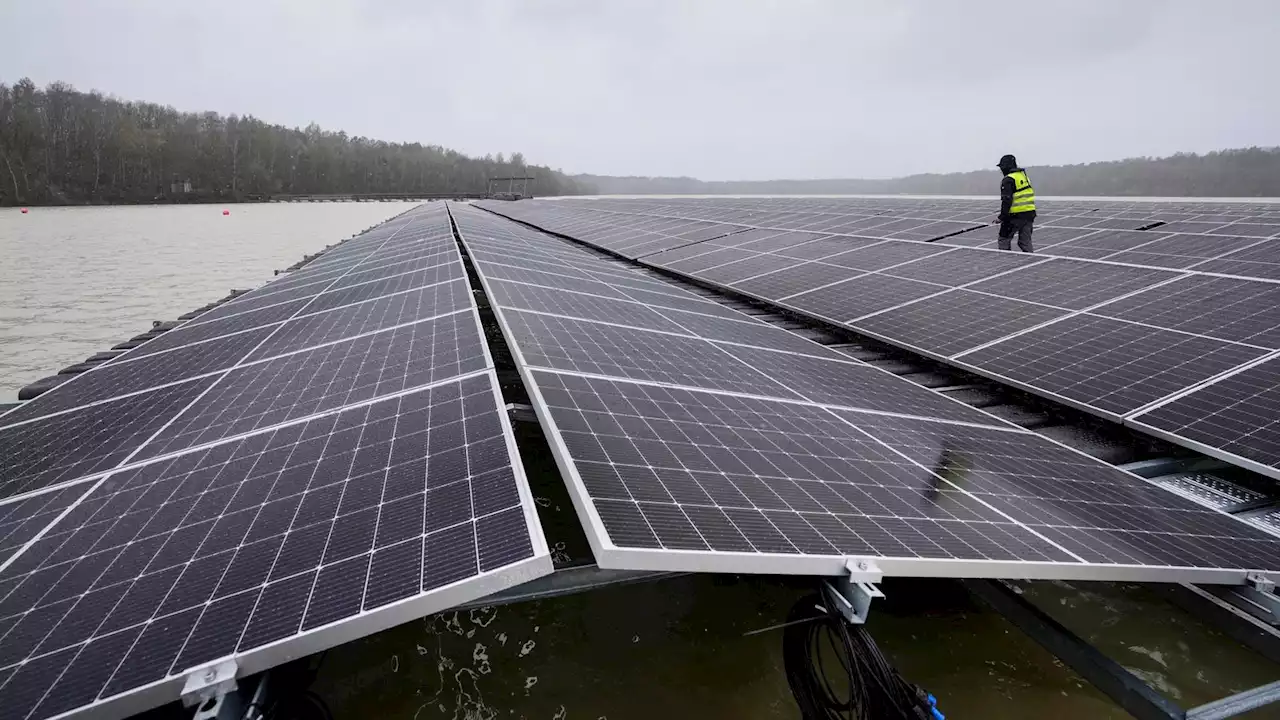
pixel 291 696
pixel 861 685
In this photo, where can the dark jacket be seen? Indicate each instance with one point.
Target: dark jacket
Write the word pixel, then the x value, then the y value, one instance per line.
pixel 1006 197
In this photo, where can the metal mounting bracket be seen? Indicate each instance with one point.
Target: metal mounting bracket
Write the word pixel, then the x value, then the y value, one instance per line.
pixel 1257 597
pixel 853 593
pixel 211 682
pixel 520 412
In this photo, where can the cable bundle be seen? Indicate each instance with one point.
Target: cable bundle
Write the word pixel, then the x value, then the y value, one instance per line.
pixel 815 634
pixel 291 696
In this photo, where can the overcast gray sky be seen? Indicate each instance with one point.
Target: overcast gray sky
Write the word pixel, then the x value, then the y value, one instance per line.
pixel 717 89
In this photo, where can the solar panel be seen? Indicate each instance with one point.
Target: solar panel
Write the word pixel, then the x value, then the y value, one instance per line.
pixel 860 295
pixel 594 348
pixel 1259 261
pixel 535 265
pixel 889 226
pixel 1122 223
pixel 961 267
pixel 679 479
pixel 956 321
pixel 687 303
pixel 126 375
pixel 707 231
pixel 836 381
pixel 1181 251
pixel 933 231
pixel 1069 220
pixel 870 226
pixel 1245 311
pixel 293 386
pixel 640 283
pixel 1106 364
pixel 1042 237
pixel 298 536
pixel 22 520
pixel 1233 418
pixel 1191 226
pixel 780 241
pixel 743 331
pixel 1115 240
pixel 1248 229
pixel 578 305
pixel 792 280
pixel 754 238
pixel 197 331
pixel 299 283
pixel 884 255
pixel 263 297
pixel 61 448
pixel 344 293
pixel 378 314
pixel 826 247
pixel 568 282
pixel 394 260
pixel 683 254
pixel 1068 250
pixel 742 269
pixel 1072 284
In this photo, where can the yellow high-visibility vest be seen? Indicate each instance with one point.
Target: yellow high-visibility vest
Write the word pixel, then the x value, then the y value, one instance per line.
pixel 1024 196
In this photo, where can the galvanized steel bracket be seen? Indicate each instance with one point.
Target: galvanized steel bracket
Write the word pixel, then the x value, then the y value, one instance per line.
pixel 211 682
pixel 852 593
pixel 1257 597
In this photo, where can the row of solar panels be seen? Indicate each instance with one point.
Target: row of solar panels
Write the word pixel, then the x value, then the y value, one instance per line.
pixel 692 438
pixel 1211 237
pixel 834 214
pixel 319 459
pixel 1188 355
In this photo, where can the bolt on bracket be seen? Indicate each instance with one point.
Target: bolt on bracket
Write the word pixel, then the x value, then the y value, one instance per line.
pixel 852 593
pixel 1257 596
pixel 209 682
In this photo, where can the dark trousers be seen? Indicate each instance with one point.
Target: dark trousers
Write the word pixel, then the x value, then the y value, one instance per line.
pixel 1015 226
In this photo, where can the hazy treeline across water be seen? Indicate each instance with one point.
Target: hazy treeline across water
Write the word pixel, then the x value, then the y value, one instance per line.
pixel 62 146
pixel 1248 172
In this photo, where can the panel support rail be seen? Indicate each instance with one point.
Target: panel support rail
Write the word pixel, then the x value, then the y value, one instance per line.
pixel 1114 680
pixel 1256 597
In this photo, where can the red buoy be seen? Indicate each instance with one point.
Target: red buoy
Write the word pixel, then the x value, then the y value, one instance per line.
pixel 226 212
pixel 24 211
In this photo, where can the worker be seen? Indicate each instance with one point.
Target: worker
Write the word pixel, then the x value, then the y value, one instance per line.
pixel 1017 206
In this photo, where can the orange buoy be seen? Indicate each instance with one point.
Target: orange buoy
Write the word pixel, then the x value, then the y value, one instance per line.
pixel 24 211
pixel 226 212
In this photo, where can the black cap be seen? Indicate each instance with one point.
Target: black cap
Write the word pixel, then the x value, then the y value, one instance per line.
pixel 1008 161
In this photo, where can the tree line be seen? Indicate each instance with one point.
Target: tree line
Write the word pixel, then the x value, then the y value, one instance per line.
pixel 62 146
pixel 1246 172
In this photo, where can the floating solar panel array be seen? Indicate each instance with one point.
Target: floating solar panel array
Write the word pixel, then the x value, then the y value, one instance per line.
pixel 1165 316
pixel 696 438
pixel 314 461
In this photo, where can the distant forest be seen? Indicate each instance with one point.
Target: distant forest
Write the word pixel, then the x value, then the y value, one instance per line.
pixel 1250 172
pixel 61 146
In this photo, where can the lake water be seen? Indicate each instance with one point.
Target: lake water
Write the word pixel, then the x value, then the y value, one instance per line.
pixel 78 280
pixel 75 281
